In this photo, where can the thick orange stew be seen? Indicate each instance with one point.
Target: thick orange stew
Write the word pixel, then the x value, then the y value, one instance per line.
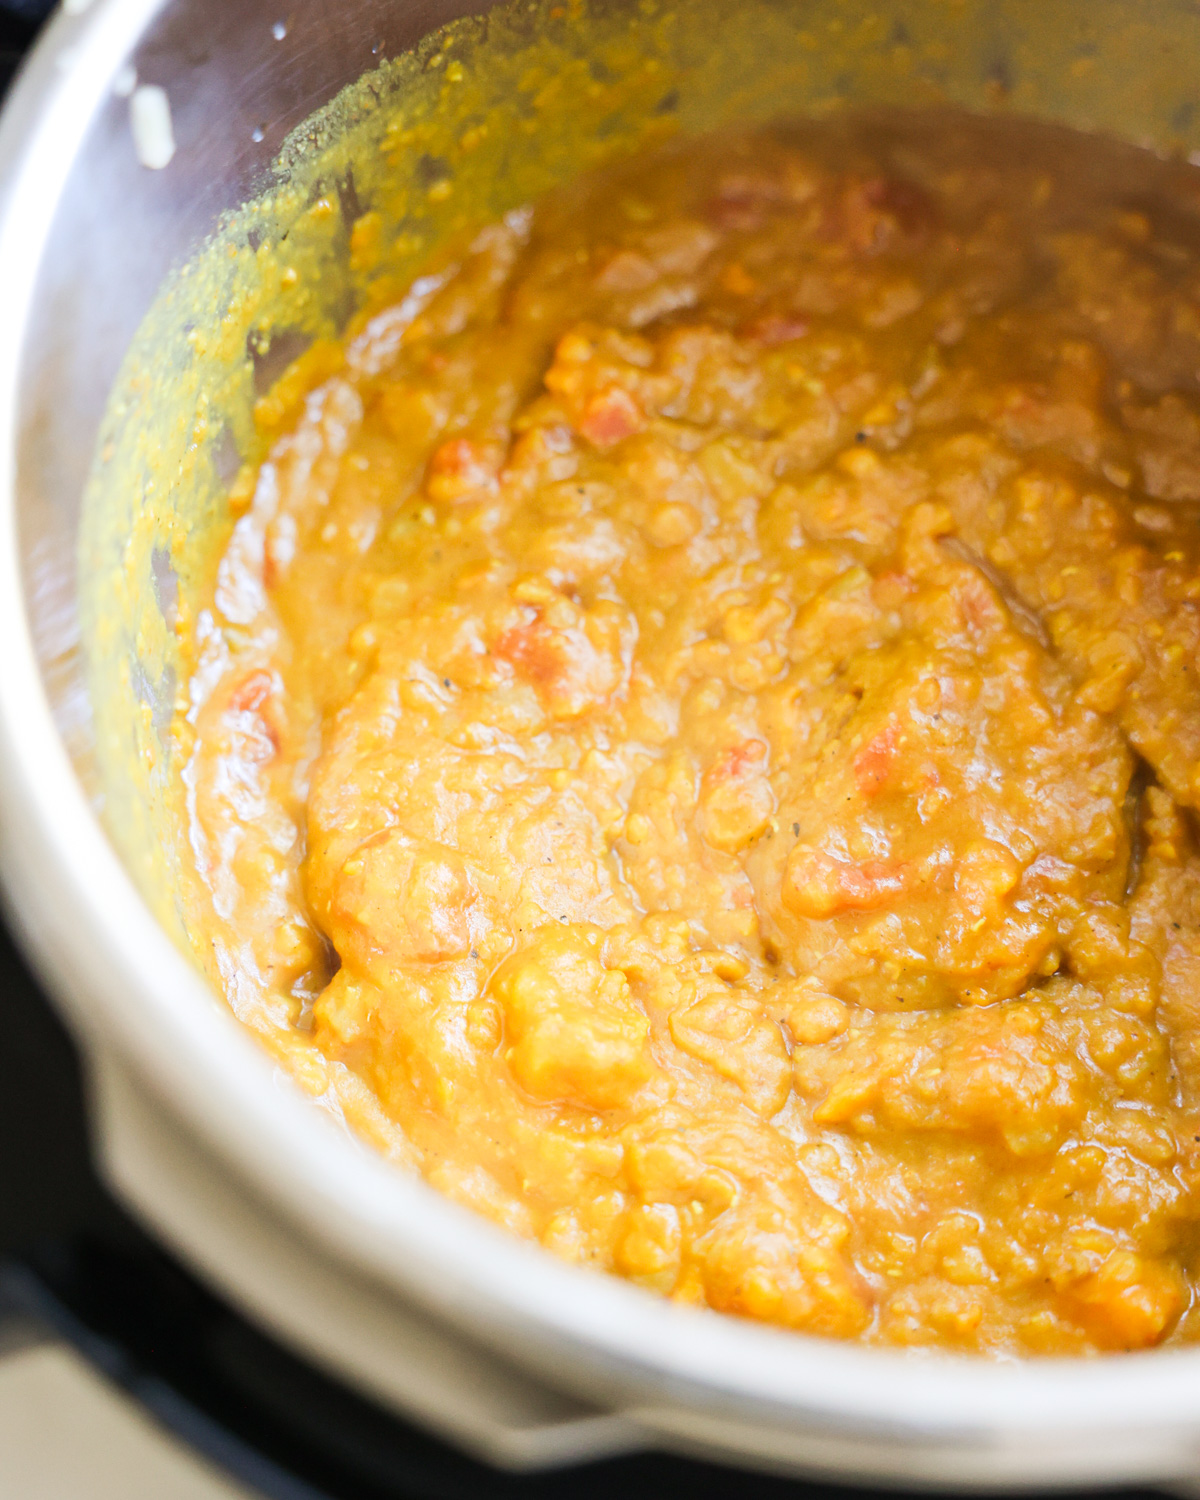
pixel 696 741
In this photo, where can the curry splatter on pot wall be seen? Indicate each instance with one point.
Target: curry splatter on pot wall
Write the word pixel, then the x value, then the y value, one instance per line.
pixel 486 114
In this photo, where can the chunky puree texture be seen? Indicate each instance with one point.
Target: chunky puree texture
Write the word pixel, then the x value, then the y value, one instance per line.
pixel 696 739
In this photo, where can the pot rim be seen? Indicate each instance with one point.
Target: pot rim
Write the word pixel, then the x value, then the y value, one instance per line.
pixel 130 988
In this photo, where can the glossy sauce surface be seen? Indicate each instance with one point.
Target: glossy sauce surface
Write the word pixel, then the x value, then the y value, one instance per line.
pixel 697 735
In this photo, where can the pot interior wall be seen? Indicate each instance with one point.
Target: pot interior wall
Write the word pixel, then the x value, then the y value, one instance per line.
pixel 171 302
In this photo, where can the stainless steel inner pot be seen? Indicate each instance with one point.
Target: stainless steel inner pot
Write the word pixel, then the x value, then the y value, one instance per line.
pixel 414 1300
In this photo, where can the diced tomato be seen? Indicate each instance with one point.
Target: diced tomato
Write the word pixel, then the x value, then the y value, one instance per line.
pixel 872 213
pixel 817 885
pixel 873 763
pixel 462 467
pixel 533 649
pixel 981 609
pixel 743 201
pixel 736 799
pixel 610 416
pixel 251 693
pixel 741 758
pixel 776 328
pixel 250 698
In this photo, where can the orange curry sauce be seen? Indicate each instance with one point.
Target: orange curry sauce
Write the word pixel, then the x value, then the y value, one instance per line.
pixel 697 734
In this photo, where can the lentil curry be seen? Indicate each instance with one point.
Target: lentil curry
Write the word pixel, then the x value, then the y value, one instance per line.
pixel 698 729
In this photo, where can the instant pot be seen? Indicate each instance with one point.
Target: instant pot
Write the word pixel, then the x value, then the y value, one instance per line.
pixel 137 128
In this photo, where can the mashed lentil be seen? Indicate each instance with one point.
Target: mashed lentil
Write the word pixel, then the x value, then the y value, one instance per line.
pixel 699 726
